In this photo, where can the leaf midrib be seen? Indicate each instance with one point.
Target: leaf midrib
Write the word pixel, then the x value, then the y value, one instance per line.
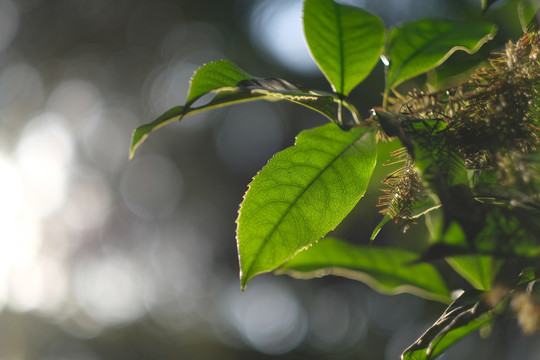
pixel 341 47
pixel 295 201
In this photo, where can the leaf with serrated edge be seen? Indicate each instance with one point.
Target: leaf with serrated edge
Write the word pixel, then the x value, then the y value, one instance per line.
pixel 214 76
pixel 345 41
pixel 417 47
pixel 232 86
pixel 301 194
pixel 387 270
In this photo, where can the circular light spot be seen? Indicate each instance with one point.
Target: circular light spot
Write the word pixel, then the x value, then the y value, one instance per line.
pixel 249 135
pixel 151 186
pixel 43 156
pixel 105 135
pixel 268 316
pixel 108 289
pixel 73 99
pixel 329 319
pixel 40 286
pixel 87 201
pixel 277 26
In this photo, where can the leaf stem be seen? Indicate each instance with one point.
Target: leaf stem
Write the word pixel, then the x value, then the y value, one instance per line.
pixel 354 112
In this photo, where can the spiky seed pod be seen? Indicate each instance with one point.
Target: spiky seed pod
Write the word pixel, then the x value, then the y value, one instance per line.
pixel 491 122
pixel 405 188
pixel 496 111
pixel 498 115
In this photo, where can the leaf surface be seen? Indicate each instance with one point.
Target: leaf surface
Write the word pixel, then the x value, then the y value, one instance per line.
pixel 214 76
pixel 387 270
pixel 417 47
pixel 478 270
pixel 231 85
pixel 345 41
pixel 301 194
pixel 463 316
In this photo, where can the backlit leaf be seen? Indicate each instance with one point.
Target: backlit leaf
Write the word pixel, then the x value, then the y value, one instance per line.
pixel 345 41
pixel 463 316
pixel 214 76
pixel 301 194
pixel 478 270
pixel 388 270
pixel 231 86
pixel 417 47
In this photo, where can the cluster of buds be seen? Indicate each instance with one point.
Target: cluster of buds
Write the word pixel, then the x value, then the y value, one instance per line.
pixel 489 122
pixel 405 187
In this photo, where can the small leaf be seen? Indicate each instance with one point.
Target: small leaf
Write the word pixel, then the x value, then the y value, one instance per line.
pixel 214 76
pixel 301 194
pixel 417 47
pixel 386 218
pixel 529 274
pixel 478 270
pixel 463 316
pixel 345 42
pixel 387 270
pixel 141 133
pixel 232 86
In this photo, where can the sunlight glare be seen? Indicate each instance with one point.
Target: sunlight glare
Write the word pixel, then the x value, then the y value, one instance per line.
pixel 43 156
pixel 268 316
pixel 277 26
pixel 40 286
pixel 107 288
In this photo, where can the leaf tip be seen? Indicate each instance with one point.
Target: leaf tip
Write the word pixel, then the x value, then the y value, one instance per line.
pixel 244 279
pixel 137 140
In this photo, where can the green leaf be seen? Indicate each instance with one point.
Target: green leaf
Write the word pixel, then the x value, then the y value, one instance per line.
pixel 386 218
pixel 141 133
pixel 417 47
pixel 232 86
pixel 387 270
pixel 345 42
pixel 463 316
pixel 478 270
pixel 301 194
pixel 214 76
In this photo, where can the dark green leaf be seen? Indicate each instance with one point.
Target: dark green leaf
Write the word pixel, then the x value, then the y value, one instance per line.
pixel 417 47
pixel 345 41
pixel 232 86
pixel 529 274
pixel 463 316
pixel 388 270
pixel 301 194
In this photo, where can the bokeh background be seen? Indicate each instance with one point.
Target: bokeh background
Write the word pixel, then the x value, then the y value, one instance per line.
pixel 102 258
